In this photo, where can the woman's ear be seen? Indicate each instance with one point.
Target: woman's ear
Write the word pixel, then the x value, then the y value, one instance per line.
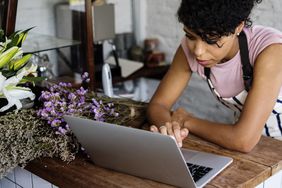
pixel 239 28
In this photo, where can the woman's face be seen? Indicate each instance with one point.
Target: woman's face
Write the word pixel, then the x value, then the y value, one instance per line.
pixel 208 55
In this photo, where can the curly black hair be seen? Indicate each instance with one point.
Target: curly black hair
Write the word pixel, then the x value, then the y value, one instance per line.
pixel 212 19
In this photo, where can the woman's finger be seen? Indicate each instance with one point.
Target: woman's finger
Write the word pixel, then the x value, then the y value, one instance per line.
pixel 163 130
pixel 154 128
pixel 169 128
pixel 176 131
pixel 184 133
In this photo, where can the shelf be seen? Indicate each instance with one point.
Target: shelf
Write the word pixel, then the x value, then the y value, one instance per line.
pixel 38 42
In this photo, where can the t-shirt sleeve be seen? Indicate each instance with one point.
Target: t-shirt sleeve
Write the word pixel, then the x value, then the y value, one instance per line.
pixel 261 37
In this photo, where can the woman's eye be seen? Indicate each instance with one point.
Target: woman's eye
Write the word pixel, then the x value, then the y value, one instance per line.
pixel 190 37
pixel 211 42
pixel 214 42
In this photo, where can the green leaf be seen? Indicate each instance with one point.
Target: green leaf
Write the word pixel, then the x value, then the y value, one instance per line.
pixel 14 34
pixel 8 73
pixel 18 37
pixel 32 79
pixel 13 42
pixel 2 35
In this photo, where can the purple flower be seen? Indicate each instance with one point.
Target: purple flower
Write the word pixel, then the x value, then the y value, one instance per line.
pixel 48 104
pixel 81 91
pixel 62 130
pixel 62 99
pixel 55 123
pixel 96 103
pixel 85 75
pixel 71 96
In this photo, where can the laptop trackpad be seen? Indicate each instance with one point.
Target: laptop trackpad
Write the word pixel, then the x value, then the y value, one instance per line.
pixel 188 154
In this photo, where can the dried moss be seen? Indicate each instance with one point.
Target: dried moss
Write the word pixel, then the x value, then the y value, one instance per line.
pixel 131 113
pixel 24 137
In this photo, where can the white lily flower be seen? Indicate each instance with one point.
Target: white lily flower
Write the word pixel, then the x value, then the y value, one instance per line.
pixel 9 88
pixel 13 93
pixel 18 55
pixel 29 68
pixel 3 45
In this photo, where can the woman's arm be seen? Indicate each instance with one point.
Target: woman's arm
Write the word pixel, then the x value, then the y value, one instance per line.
pixel 169 90
pixel 245 134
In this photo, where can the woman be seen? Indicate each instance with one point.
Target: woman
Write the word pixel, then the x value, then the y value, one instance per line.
pixel 242 65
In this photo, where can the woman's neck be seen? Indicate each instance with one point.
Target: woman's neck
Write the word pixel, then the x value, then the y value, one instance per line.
pixel 233 51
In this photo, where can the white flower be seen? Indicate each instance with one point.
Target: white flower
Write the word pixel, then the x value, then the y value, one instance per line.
pixel 3 45
pixel 29 68
pixel 14 93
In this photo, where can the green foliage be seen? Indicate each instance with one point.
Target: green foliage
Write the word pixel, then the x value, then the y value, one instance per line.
pixel 18 37
pixel 2 35
pixel 11 54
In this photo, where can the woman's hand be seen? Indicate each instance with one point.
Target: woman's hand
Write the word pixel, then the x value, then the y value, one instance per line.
pixel 181 115
pixel 172 129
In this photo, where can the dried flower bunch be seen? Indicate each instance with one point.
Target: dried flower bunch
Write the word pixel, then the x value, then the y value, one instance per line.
pixel 62 99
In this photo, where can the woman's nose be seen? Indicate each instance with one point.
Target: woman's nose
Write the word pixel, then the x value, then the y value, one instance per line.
pixel 199 48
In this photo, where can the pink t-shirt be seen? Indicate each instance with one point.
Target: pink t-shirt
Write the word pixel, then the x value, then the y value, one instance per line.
pixel 222 75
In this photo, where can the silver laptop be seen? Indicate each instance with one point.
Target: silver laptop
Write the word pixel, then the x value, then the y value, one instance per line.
pixel 145 154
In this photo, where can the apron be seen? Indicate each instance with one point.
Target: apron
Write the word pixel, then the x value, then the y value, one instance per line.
pixel 272 127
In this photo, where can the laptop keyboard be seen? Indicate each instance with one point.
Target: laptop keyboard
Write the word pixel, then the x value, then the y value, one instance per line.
pixel 198 171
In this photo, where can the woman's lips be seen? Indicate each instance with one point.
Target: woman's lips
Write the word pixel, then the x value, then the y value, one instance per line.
pixel 203 62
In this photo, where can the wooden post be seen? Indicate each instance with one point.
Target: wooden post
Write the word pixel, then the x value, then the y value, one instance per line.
pixel 89 40
pixel 10 16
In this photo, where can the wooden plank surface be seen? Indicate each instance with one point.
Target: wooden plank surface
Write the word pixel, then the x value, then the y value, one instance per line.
pixel 243 172
pixel 267 152
pixel 83 173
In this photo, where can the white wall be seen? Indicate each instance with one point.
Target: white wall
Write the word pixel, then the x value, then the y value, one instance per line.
pixel 38 13
pixel 162 23
pixel 123 13
pixel 268 13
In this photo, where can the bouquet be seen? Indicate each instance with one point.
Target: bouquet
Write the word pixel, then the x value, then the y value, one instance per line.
pixel 15 70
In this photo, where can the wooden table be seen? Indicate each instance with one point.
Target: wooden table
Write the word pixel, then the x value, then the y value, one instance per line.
pixel 247 170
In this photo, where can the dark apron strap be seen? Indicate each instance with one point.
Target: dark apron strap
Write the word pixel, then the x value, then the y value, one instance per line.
pixel 207 72
pixel 246 65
